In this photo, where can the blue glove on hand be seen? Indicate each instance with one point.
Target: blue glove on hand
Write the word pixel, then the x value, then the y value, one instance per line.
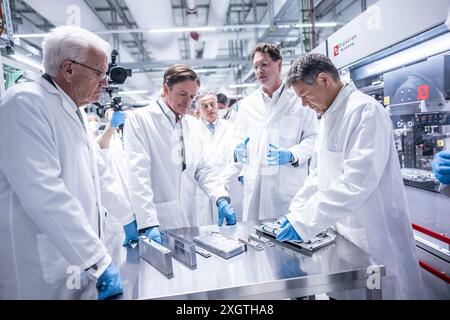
pixel 109 283
pixel 287 232
pixel 118 118
pixel 441 166
pixel 240 152
pixel 131 233
pixel 277 156
pixel 226 211
pixel 154 234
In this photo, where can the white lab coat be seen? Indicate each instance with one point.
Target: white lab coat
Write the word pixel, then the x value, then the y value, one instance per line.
pixel 356 185
pixel 116 179
pixel 268 190
pixel 218 152
pixel 49 195
pixel 161 193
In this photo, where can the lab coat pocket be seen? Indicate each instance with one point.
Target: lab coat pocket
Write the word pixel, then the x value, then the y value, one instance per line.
pixel 170 214
pixel 54 265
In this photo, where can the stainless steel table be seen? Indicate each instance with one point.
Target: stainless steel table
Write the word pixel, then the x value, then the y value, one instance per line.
pixel 274 273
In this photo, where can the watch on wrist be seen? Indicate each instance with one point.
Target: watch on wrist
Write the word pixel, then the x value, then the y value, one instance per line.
pixel 293 161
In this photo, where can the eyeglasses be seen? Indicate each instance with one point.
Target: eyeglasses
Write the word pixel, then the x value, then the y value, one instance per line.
pixel 263 65
pixel 100 74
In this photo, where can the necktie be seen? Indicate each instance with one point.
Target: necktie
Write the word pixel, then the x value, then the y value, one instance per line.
pixel 81 118
pixel 211 128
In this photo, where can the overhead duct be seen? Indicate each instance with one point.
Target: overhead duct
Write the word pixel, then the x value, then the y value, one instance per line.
pixel 59 13
pixel 157 16
pixel 217 16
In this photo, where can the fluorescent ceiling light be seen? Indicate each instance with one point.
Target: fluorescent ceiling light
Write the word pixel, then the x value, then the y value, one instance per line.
pixel 128 92
pixel 419 52
pixel 30 35
pixel 28 61
pixel 308 25
pixel 143 101
pixel 243 85
pixel 182 29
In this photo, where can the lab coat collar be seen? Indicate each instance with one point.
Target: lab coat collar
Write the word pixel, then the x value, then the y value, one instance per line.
pixel 342 95
pixel 169 113
pixel 67 103
pixel 66 98
pixel 215 123
pixel 275 95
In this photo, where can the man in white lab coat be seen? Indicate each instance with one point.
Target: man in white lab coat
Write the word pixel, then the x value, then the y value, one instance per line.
pixel 218 152
pixel 355 181
pixel 50 202
pixel 276 136
pixel 164 150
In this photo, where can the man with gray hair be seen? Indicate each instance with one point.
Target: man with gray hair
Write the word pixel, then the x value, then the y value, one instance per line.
pixel 52 221
pixel 355 182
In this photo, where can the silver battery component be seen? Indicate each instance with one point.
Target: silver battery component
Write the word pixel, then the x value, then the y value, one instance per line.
pixel 220 245
pixel 261 240
pixel 182 249
pixel 252 244
pixel 272 228
pixel 157 255
pixel 202 252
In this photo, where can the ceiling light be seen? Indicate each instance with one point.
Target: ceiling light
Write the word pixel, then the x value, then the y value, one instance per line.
pixel 30 35
pixel 182 29
pixel 28 61
pixel 242 85
pixel 128 92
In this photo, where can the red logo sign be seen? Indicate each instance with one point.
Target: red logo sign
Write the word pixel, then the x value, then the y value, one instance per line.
pixel 423 92
pixel 336 50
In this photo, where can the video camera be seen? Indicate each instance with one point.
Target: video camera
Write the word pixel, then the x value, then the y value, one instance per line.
pixel 116 76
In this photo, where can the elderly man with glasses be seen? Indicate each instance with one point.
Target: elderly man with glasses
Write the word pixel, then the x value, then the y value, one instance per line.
pixel 51 209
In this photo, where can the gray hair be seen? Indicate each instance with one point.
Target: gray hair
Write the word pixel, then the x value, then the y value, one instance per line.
pixel 307 67
pixel 73 43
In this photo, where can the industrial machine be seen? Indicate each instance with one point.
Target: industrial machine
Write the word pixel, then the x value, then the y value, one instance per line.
pixel 417 99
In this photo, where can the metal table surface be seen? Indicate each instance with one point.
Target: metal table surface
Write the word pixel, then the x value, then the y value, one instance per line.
pixel 276 272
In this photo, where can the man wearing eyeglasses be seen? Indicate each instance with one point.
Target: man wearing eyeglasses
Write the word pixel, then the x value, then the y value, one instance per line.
pixel 50 203
pixel 275 136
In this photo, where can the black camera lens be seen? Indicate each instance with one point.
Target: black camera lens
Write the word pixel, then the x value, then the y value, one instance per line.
pixel 118 75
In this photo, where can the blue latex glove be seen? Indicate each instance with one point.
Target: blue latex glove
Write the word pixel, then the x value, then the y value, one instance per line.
pixel 226 211
pixel 277 156
pixel 240 152
pixel 154 234
pixel 118 118
pixel 131 233
pixel 109 283
pixel 287 232
pixel 441 166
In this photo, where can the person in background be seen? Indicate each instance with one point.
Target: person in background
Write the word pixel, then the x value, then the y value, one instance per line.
pixel 225 112
pixel 163 147
pixel 49 181
pixel 93 123
pixel 275 136
pixel 441 169
pixel 355 182
pixel 218 152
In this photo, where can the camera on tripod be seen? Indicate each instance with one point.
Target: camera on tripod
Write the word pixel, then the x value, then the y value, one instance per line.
pixel 116 76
